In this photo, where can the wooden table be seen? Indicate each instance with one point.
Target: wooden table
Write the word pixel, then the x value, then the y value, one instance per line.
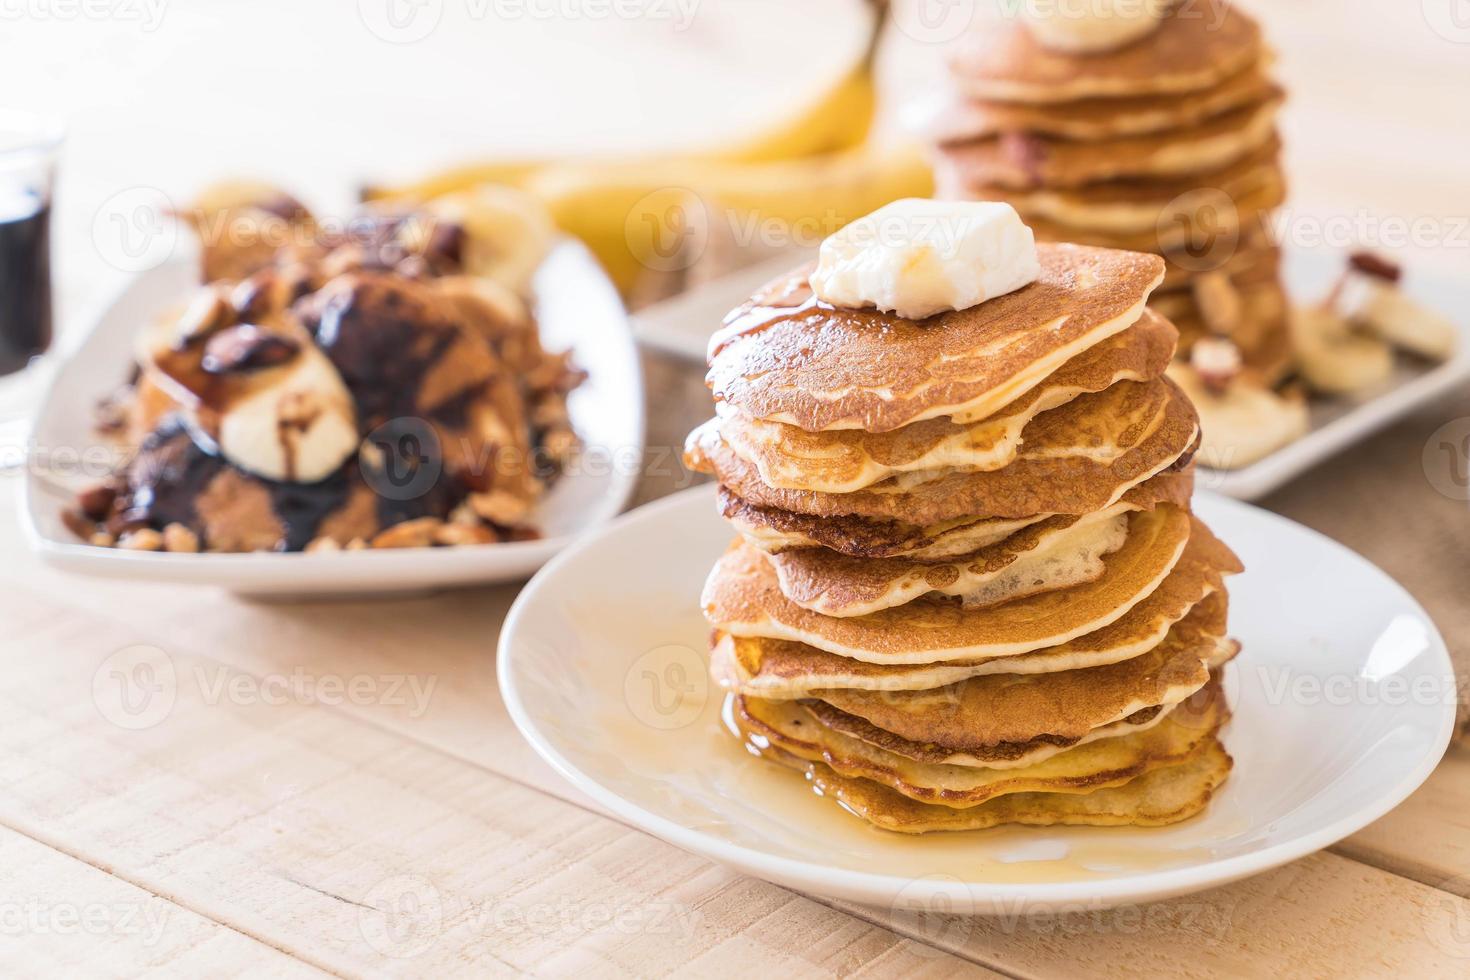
pixel 336 787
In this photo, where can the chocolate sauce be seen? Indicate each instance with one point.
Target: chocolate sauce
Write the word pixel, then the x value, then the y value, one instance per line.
pixel 25 280
pixel 172 470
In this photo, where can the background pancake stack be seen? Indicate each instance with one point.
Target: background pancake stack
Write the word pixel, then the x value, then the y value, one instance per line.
pixel 967 588
pixel 1167 144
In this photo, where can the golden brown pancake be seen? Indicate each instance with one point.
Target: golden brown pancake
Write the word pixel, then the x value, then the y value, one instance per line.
pixel 1191 601
pixel 1037 161
pixel 742 597
pixel 1056 553
pixel 774 531
pixel 962 120
pixel 784 357
pixel 1199 45
pixel 1065 706
pixel 1078 458
pixel 1081 769
pixel 1169 208
pixel 845 460
pixel 1164 796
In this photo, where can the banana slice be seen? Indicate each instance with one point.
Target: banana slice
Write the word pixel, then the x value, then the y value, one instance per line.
pixel 1242 422
pixel 508 233
pixel 1387 312
pixel 1332 358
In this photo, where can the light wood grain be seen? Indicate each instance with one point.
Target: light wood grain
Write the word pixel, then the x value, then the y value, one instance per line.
pixel 276 819
pixel 60 916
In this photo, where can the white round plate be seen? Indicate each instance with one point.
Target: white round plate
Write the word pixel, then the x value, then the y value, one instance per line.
pixel 1343 698
pixel 577 307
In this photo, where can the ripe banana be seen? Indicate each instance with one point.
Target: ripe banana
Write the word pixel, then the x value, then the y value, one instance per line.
pixel 657 216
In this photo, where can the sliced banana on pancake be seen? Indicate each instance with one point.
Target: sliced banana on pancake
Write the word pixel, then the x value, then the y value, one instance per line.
pixel 1081 769
pixel 773 531
pixel 1210 146
pixel 742 597
pixel 1077 459
pixel 998 708
pixel 960 120
pixel 1056 553
pixel 785 357
pixel 844 460
pixel 1164 796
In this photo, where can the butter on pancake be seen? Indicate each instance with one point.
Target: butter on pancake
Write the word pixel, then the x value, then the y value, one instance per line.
pixel 1191 601
pixel 1081 769
pixel 1199 45
pixel 1077 459
pixel 844 460
pixel 962 120
pixel 1058 552
pixel 774 531
pixel 1047 162
pixel 742 597
pixel 1166 795
pixel 785 357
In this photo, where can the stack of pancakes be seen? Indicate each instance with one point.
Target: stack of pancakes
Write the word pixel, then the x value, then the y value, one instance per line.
pixel 1166 145
pixel 967 588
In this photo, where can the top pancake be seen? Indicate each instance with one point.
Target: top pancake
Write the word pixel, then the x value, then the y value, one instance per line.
pixel 785 357
pixel 1099 119
pixel 1196 46
pixel 845 460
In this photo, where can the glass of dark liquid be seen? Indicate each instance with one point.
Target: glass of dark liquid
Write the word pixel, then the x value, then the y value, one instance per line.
pixel 28 149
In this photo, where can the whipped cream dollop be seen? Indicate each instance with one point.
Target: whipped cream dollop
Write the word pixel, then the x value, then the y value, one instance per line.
pixel 300 428
pixel 1080 26
pixel 916 257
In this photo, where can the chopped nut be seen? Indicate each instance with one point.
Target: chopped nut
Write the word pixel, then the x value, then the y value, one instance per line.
pixel 1216 361
pixel 357 544
pixel 324 543
pixel 1219 302
pixel 143 539
pixel 102 539
pixel 463 513
pixel 1376 266
pixel 177 537
pixel 417 533
pixel 499 507
pixel 96 502
pixel 1026 152
pixel 457 534
pixel 207 313
pixel 549 411
pixel 559 444
pixel 78 523
pixel 247 348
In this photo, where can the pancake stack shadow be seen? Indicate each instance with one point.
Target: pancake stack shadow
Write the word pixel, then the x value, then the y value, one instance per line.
pixel 967 589
pixel 1167 144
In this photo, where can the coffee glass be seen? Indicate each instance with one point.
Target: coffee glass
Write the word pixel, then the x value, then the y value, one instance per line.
pixel 28 148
